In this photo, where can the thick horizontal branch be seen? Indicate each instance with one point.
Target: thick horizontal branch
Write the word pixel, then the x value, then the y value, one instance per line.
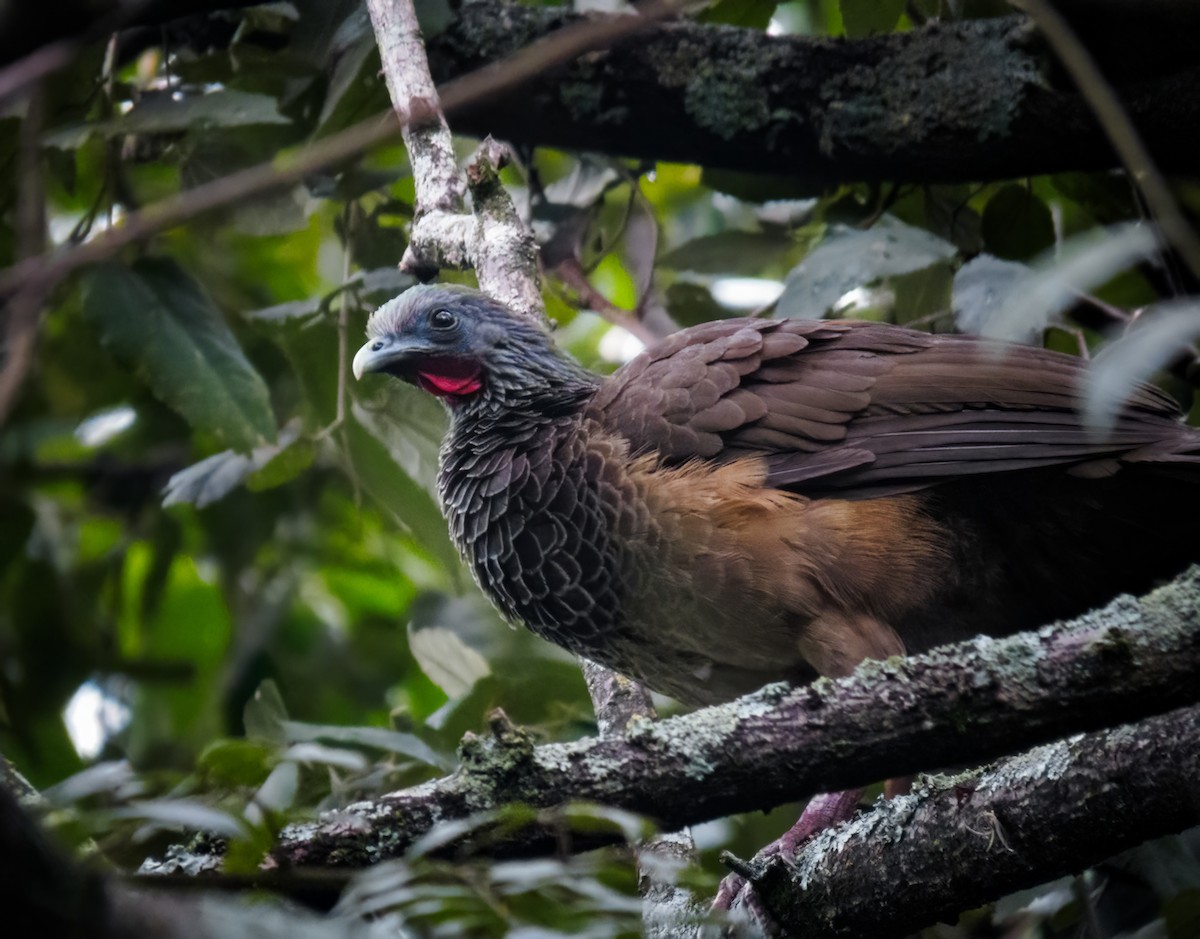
pixel 963 841
pixel 974 100
pixel 966 703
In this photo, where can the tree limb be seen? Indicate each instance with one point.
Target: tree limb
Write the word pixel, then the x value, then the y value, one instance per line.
pixel 966 840
pixel 968 101
pixel 964 703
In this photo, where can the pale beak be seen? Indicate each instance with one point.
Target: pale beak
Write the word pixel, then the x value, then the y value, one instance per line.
pixel 382 352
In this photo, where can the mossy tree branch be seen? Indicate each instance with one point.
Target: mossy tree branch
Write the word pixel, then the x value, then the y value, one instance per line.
pixel 965 840
pixel 966 703
pixel 966 101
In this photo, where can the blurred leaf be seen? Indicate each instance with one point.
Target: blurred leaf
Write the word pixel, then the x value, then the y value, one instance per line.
pixel 864 17
pixel 108 777
pixel 640 247
pixel 922 294
pixel 1058 278
pixel 1017 224
pixel 434 17
pixel 216 476
pixel 848 258
pixel 1182 915
pixel 691 304
pixel 163 113
pixel 759 187
pixel 730 252
pixel 276 794
pixel 1161 334
pixel 355 73
pixel 378 738
pixel 753 14
pixel 1107 197
pixel 449 662
pixel 265 715
pixel 981 287
pixel 329 756
pixel 382 283
pixel 590 177
pixel 288 462
pixel 184 813
pixel 156 318
pixel 236 762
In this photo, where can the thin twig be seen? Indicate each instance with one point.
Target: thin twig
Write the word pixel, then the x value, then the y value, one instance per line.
pixel 571 273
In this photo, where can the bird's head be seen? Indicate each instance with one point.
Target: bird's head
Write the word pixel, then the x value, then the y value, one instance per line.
pixel 463 347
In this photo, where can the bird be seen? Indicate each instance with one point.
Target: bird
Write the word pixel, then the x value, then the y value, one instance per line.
pixel 754 500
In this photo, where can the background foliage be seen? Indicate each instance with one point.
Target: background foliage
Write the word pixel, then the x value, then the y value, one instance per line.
pixel 227 598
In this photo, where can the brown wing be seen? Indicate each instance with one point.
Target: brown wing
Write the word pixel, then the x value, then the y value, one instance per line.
pixel 864 409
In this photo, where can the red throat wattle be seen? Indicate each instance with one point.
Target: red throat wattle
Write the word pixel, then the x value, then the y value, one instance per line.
pixel 450 378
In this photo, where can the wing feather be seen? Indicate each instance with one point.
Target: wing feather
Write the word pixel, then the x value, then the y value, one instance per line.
pixel 861 409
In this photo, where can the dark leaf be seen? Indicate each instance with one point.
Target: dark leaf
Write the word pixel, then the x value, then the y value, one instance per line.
pixel 163 113
pixel 287 463
pixel 1017 224
pixel 864 17
pixel 754 14
pixel 730 252
pixel 157 319
pixel 691 304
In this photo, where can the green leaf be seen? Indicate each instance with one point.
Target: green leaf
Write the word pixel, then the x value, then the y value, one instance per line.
pixel 754 14
pixel 849 257
pixel 690 304
pixel 164 114
pixel 449 662
pixel 730 252
pixel 284 466
pixel 864 17
pixel 157 319
pixel 1017 224
pixel 236 762
pixel 434 17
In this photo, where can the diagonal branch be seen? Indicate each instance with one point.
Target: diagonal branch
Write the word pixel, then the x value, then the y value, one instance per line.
pixel 965 840
pixel 962 704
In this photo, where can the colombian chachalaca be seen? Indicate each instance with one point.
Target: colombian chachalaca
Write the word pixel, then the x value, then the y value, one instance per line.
pixel 754 499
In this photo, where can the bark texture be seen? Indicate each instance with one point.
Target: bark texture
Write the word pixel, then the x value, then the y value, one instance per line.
pixel 963 704
pixel 966 840
pixel 974 100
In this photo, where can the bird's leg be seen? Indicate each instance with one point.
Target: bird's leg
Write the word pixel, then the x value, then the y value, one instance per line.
pixel 823 811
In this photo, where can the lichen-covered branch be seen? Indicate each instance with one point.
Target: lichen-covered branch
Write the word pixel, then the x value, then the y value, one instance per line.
pixel 965 840
pixel 955 101
pixel 494 241
pixel 966 703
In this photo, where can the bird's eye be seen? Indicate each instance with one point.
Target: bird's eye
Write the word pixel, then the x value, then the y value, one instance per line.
pixel 443 319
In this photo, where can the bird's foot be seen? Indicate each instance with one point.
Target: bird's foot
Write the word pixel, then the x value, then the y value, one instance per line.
pixel 737 890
